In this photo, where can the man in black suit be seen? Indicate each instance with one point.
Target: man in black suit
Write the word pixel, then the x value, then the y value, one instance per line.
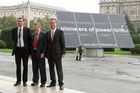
pixel 21 49
pixel 38 59
pixel 55 50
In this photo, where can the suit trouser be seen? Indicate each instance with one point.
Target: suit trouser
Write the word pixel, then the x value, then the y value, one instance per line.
pixel 58 64
pixel 21 54
pixel 80 56
pixel 38 64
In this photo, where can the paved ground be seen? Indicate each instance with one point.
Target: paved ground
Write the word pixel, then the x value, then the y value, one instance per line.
pixel 7 87
pixel 110 74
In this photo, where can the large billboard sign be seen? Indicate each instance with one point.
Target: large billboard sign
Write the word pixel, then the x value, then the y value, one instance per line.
pixel 94 30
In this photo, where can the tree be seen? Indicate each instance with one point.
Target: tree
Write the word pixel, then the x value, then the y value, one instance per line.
pixel 6 36
pixel 43 21
pixel 138 31
pixel 130 25
pixel 7 22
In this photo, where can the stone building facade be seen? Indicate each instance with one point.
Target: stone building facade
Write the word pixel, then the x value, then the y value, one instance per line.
pixel 129 7
pixel 30 10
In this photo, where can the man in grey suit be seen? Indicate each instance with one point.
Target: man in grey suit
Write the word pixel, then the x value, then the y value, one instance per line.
pixel 55 50
pixel 38 59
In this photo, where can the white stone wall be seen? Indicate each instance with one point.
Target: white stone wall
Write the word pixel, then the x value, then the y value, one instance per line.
pixel 131 7
pixel 23 11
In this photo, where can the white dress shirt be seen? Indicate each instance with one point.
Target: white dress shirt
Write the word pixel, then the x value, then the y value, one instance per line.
pixel 20 42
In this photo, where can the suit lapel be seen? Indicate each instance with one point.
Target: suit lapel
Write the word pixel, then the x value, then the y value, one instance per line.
pixel 24 33
pixel 16 33
pixel 49 36
pixel 39 37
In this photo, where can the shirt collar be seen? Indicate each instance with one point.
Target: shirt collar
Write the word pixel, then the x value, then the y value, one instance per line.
pixel 20 28
pixel 53 30
pixel 38 32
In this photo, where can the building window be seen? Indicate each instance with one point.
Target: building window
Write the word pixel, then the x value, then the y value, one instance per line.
pixel 107 9
pixel 133 14
pixel 39 13
pixel 101 0
pixel 107 12
pixel 108 0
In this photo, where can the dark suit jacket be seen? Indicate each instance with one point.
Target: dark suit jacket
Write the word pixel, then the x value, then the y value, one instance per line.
pixel 26 39
pixel 55 48
pixel 41 47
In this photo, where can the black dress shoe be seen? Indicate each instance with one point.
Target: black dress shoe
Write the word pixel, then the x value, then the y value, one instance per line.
pixel 34 84
pixel 61 87
pixel 51 85
pixel 42 85
pixel 17 83
pixel 24 84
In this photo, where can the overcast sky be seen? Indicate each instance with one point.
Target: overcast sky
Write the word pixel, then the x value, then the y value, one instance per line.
pixel 91 6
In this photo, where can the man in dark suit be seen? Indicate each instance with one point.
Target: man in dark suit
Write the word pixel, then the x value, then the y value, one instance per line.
pixel 21 49
pixel 55 50
pixel 38 59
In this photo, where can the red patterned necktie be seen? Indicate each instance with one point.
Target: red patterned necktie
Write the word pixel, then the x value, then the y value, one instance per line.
pixel 35 40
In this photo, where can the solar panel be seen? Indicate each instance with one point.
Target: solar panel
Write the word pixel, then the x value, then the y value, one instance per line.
pixel 94 30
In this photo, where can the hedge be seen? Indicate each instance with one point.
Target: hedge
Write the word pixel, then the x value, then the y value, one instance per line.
pixel 109 49
pixel 136 49
pixel 6 36
pixel 2 44
pixel 136 38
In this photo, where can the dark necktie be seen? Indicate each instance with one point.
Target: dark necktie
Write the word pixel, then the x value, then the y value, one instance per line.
pixel 19 36
pixel 35 40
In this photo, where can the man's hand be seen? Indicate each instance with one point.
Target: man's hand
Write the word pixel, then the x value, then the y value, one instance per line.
pixel 30 56
pixel 42 55
pixel 62 55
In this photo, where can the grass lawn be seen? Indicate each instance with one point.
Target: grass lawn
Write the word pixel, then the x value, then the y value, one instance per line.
pixel 10 50
pixel 6 50
pixel 119 52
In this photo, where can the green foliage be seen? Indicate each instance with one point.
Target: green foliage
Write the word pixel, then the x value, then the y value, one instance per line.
pixel 125 49
pixel 2 44
pixel 130 25
pixel 138 30
pixel 7 22
pixel 70 50
pixel 136 49
pixel 136 39
pixel 109 49
pixel 6 50
pixel 6 35
pixel 118 52
pixel 43 21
